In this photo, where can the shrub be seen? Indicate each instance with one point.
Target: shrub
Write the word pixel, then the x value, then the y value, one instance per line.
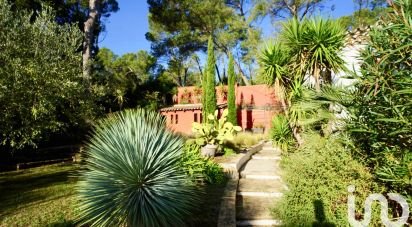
pixel 247 139
pixel 133 175
pixel 382 108
pixel 198 168
pixel 281 133
pixel 317 176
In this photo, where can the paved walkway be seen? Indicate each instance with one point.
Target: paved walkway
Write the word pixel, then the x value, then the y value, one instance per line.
pixel 259 187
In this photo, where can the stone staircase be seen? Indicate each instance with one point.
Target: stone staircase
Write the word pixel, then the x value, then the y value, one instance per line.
pixel 259 187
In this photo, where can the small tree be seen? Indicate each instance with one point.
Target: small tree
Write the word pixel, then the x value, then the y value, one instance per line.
pixel 231 96
pixel 41 88
pixel 209 104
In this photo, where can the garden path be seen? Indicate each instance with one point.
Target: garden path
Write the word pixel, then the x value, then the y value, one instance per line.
pixel 260 185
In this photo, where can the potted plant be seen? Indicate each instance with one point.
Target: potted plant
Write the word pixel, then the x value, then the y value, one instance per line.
pixel 214 133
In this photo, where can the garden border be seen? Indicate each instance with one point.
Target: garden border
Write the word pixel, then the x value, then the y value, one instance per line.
pixel 227 211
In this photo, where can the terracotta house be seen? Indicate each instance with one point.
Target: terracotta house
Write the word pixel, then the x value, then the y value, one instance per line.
pixel 256 105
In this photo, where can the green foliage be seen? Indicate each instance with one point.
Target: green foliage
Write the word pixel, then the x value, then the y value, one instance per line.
pixel 382 107
pixel 227 151
pixel 41 89
pixel 216 131
pixel 134 175
pixel 281 133
pixel 199 168
pixel 176 35
pixel 318 175
pixel 123 80
pixel 69 12
pixel 280 9
pixel 209 104
pixel 273 61
pixel 231 96
pixel 247 139
pixel 315 46
pixel 363 17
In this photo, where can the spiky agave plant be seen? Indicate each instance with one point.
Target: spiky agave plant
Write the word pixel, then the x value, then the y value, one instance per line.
pixel 133 177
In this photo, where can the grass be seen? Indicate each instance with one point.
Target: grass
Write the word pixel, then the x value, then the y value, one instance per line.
pixel 42 196
pixel 45 196
pixel 247 139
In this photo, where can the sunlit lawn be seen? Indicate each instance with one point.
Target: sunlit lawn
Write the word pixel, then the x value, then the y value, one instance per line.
pixel 41 196
pixel 45 196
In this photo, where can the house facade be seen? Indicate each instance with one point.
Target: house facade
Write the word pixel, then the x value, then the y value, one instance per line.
pixel 256 106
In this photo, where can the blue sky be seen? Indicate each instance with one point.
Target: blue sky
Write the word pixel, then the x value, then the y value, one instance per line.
pixel 126 29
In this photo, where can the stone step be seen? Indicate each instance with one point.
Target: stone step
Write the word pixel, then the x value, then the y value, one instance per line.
pixel 263 186
pixel 271 149
pixel 261 194
pixel 254 208
pixel 259 176
pixel 261 167
pixel 266 156
pixel 263 222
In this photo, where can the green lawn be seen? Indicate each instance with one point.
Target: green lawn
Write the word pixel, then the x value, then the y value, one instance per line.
pixel 45 196
pixel 42 196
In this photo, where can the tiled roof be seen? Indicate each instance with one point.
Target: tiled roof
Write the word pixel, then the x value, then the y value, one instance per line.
pixel 179 107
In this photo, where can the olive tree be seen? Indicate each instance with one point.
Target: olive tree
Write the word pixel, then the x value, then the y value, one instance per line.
pixel 41 88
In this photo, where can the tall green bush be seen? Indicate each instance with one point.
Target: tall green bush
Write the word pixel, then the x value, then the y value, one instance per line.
pixel 318 175
pixel 41 88
pixel 133 174
pixel 231 96
pixel 209 104
pixel 382 107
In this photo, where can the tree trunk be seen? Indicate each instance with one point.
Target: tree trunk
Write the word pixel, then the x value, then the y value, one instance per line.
pixel 198 65
pixel 218 73
pixel 317 79
pixel 281 95
pixel 242 74
pixel 89 28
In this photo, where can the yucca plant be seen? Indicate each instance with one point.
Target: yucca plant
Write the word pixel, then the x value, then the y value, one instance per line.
pixel 133 175
pixel 281 133
pixel 316 45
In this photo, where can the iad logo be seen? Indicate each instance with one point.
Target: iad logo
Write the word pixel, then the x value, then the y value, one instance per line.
pixel 384 209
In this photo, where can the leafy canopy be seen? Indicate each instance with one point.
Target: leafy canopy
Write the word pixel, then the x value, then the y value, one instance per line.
pixel 41 91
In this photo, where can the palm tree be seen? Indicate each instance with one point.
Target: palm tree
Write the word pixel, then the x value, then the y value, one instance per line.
pixel 274 61
pixel 133 175
pixel 316 46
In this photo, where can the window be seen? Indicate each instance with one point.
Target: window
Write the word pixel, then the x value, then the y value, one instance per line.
pixel 177 119
pixel 195 117
pixel 171 119
pixel 201 118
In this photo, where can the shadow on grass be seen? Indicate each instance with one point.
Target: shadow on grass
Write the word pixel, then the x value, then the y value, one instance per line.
pixel 20 191
pixel 320 216
pixel 63 223
pixel 208 211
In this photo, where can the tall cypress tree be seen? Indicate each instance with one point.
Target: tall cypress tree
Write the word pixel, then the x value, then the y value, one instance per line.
pixel 204 96
pixel 210 93
pixel 231 96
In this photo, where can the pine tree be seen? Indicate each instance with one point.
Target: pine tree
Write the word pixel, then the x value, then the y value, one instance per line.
pixel 231 97
pixel 210 92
